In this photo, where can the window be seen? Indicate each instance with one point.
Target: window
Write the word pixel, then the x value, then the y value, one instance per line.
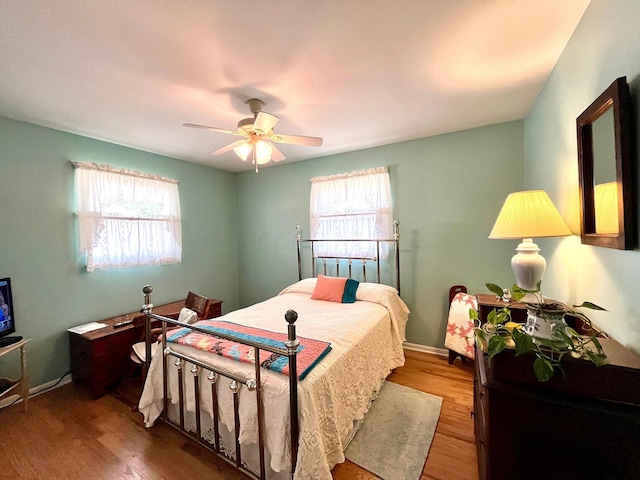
pixel 351 206
pixel 127 218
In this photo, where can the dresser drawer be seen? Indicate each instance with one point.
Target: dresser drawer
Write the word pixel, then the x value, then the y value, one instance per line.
pixel 101 346
pixel 80 350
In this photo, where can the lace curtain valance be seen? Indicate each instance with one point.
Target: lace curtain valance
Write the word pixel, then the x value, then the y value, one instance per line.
pixel 127 218
pixel 354 205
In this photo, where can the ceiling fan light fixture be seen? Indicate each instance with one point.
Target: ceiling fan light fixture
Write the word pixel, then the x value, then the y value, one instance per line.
pixel 243 150
pixel 263 152
pixel 258 134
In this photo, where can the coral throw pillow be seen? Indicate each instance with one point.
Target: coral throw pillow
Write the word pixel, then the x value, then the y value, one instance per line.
pixel 330 289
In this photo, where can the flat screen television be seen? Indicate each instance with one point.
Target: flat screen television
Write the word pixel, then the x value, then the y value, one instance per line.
pixel 7 317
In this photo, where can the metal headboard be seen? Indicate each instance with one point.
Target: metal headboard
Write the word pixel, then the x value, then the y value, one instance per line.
pixel 395 241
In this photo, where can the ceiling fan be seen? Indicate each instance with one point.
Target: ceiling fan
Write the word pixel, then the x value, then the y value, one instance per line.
pixel 258 136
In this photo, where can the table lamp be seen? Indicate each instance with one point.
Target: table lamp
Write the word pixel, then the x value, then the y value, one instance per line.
pixel 527 215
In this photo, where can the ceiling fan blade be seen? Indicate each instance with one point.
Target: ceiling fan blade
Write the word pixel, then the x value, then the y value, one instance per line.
pixel 297 140
pixel 227 148
pixel 276 155
pixel 265 122
pixel 214 129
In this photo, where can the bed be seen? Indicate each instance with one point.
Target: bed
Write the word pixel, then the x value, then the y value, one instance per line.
pixel 245 413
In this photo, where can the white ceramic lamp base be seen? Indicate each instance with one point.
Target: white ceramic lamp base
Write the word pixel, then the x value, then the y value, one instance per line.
pixel 528 267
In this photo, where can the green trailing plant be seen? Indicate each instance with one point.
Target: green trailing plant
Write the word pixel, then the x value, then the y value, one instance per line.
pixel 500 332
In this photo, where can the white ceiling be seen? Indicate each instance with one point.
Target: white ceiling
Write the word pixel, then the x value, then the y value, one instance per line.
pixel 359 73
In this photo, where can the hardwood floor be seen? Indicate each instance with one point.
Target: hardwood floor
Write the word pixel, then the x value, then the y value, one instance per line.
pixel 453 452
pixel 68 435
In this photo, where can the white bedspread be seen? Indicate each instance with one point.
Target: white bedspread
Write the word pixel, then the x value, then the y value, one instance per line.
pixel 366 338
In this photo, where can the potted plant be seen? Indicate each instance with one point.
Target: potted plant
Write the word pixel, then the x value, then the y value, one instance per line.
pixel 550 346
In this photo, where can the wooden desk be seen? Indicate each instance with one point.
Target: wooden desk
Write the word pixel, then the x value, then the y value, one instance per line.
pixel 21 384
pixel 100 358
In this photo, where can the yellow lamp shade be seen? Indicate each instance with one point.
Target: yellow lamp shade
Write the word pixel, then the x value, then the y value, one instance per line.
pixel 529 214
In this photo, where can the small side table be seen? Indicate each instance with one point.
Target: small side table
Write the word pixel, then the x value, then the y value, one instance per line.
pixel 21 384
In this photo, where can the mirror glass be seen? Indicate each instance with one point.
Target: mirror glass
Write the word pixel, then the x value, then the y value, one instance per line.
pixel 607 197
pixel 604 174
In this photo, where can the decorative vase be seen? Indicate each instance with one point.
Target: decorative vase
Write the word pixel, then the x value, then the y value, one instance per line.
pixel 543 320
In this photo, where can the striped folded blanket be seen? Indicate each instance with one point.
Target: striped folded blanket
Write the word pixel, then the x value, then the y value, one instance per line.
pixel 310 351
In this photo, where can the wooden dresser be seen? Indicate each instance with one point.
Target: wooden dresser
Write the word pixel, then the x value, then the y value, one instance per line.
pixel 585 426
pixel 100 358
pixel 487 302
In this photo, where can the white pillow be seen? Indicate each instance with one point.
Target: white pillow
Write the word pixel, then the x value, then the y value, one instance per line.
pixel 306 285
pixel 187 316
pixel 377 290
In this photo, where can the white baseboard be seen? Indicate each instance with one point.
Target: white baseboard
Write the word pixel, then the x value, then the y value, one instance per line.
pixel 416 347
pixel 35 391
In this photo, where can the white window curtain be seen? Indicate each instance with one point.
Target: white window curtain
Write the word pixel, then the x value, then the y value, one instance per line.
pixel 127 218
pixel 351 206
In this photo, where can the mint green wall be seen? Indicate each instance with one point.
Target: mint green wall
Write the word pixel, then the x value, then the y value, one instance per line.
pixel 38 240
pixel 603 47
pixel 447 192
pixel 239 229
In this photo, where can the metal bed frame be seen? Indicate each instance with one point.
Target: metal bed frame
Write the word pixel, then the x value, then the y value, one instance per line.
pixel 236 383
pixel 251 384
pixel 395 241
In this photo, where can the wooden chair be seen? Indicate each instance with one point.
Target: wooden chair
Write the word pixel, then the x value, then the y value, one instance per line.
pixel 194 302
pixel 198 304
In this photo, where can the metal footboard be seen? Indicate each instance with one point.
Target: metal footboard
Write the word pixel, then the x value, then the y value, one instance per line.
pixel 235 384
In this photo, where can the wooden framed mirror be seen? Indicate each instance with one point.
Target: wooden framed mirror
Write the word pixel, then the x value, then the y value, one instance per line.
pixel 607 186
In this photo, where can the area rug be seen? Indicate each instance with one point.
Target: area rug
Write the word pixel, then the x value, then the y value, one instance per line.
pixel 394 439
